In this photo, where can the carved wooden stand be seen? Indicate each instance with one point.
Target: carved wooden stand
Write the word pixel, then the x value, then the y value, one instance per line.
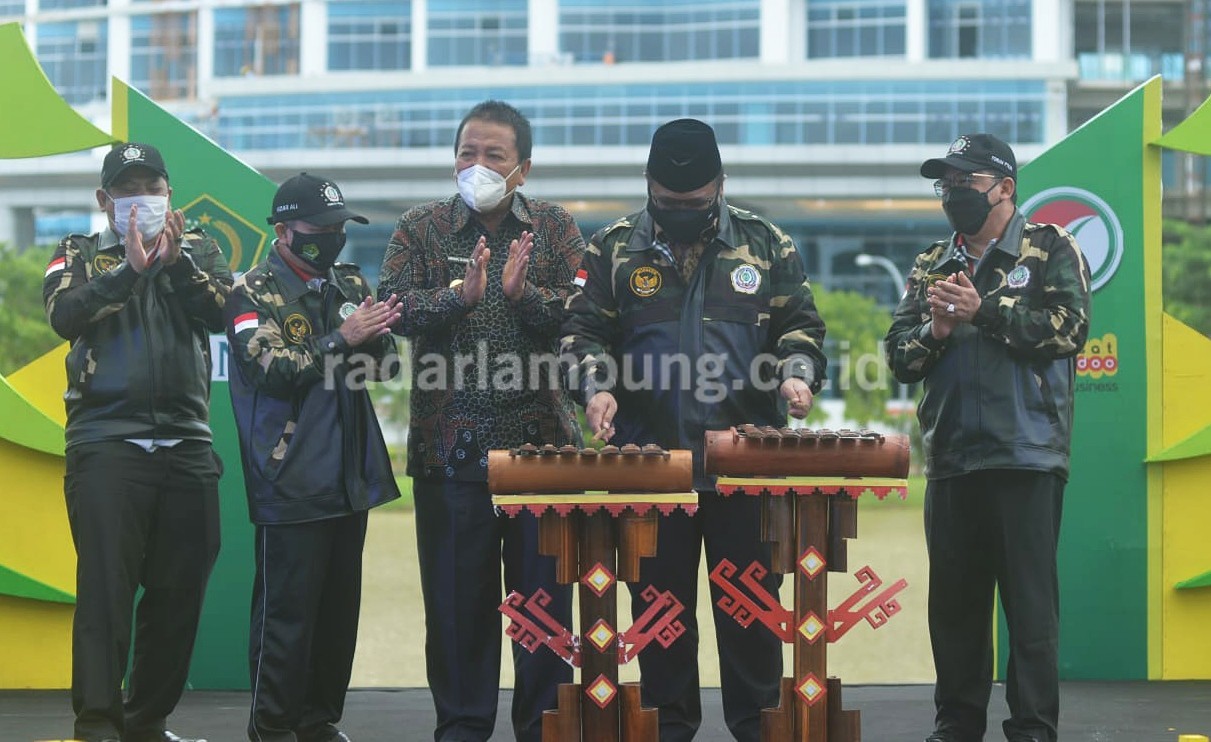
pixel 597 539
pixel 807 519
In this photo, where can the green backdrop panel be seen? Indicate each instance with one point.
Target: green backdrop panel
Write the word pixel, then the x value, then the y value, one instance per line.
pixel 1092 183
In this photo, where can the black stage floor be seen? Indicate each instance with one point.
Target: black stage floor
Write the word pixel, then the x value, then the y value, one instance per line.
pixel 1093 712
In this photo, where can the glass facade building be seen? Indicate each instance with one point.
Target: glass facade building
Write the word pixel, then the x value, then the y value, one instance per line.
pixel 824 108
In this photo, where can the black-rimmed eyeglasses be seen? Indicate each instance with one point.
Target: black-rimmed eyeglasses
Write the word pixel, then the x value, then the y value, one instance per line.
pixel 942 186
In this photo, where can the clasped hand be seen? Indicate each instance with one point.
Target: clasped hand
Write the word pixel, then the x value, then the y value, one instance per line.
pixel 951 301
pixel 513 278
pixel 166 248
pixel 371 319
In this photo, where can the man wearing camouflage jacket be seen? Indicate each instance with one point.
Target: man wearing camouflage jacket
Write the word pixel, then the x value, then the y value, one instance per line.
pixel 305 336
pixel 705 315
pixel 137 301
pixel 990 321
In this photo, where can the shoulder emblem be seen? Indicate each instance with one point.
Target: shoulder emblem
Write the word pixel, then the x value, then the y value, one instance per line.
pixel 645 281
pixel 296 327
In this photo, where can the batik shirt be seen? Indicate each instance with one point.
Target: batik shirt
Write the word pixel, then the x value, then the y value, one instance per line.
pixel 483 377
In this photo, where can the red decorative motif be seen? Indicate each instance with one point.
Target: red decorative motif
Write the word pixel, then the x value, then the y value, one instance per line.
pixel 598 579
pixel 614 509
pixel 875 612
pixel 542 630
pixel 601 691
pixel 857 488
pixel 750 601
pixel 812 563
pixel 601 635
pixel 658 623
pixel 811 689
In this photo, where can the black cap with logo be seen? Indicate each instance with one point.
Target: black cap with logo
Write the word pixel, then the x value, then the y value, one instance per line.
pixel 312 199
pixel 972 152
pixel 684 155
pixel 131 154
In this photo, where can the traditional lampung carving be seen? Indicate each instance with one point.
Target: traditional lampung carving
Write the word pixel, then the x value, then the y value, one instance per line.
pixel 543 631
pixel 737 603
pixel 875 612
pixel 658 623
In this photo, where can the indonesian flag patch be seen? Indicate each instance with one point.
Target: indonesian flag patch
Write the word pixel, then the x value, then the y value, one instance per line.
pixel 55 266
pixel 582 277
pixel 247 321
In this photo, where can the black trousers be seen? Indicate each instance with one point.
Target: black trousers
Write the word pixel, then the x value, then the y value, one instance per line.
pixel 305 605
pixel 750 659
pixel 995 528
pixel 137 518
pixel 461 543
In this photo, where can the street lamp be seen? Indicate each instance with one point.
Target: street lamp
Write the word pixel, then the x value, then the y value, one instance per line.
pixel 863 260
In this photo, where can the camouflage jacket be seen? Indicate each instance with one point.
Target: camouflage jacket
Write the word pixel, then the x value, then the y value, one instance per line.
pixel 139 364
pixel 999 390
pixel 682 358
pixel 309 437
pixel 506 390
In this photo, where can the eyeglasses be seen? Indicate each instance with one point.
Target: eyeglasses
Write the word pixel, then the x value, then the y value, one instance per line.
pixel 942 187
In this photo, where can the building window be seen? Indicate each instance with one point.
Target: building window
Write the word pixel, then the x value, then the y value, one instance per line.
pixel 164 55
pixel 478 32
pixel 989 29
pixel 67 4
pixel 860 112
pixel 1131 42
pixel 73 56
pixel 256 41
pixel 369 35
pixel 12 8
pixel 855 28
pixel 674 30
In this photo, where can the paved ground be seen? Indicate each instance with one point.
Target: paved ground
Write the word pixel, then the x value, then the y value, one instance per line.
pixel 1092 712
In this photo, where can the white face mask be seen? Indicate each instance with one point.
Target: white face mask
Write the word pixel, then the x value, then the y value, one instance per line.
pixel 482 188
pixel 150 217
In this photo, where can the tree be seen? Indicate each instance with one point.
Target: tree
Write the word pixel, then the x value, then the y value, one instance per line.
pixel 1186 266
pixel 854 346
pixel 24 332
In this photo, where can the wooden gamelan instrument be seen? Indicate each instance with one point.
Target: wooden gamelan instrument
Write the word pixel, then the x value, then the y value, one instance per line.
pixel 598 512
pixel 808 482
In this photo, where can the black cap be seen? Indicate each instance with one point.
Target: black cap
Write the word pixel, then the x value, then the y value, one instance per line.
pixel 684 155
pixel 131 154
pixel 312 199
pixel 972 152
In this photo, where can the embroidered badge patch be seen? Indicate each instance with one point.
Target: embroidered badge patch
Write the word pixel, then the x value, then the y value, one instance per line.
pixel 347 309
pixel 296 327
pixel 746 279
pixel 645 281
pixel 1018 277
pixel 105 262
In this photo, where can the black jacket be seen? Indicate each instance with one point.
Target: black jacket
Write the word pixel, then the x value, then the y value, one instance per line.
pixel 698 355
pixel 309 437
pixel 139 364
pixel 998 390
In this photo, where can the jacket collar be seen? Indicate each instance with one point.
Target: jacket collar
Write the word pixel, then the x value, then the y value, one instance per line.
pixel 107 238
pixel 644 235
pixel 1010 242
pixel 520 209
pixel 291 286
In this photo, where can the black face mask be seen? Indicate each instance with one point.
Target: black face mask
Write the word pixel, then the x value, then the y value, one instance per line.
pixel 683 225
pixel 318 250
pixel 967 209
